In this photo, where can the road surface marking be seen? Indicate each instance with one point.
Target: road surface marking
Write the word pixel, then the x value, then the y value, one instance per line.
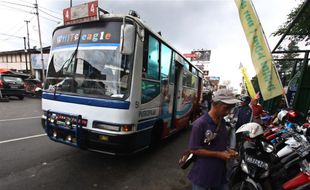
pixel 21 118
pixel 23 138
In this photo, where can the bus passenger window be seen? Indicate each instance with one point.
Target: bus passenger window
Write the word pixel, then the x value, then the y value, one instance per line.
pixel 153 58
pixel 165 60
pixel 149 90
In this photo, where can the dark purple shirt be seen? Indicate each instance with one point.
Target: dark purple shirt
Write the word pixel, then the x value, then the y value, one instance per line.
pixel 208 172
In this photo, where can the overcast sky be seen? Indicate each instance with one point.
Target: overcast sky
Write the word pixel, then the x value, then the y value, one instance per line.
pixel 186 24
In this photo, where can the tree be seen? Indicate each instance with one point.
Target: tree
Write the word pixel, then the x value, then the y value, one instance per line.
pixel 285 62
pixel 301 29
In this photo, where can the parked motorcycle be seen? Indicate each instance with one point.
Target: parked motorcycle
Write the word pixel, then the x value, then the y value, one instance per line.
pixel 259 166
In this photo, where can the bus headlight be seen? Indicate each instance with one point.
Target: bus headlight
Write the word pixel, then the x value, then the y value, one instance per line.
pixel 68 122
pixel 106 126
pixel 52 118
pixel 54 134
pixel 111 127
pixel 69 138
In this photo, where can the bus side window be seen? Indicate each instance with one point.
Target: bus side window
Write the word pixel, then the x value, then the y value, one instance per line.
pixel 150 87
pixel 165 60
pixel 149 90
pixel 151 63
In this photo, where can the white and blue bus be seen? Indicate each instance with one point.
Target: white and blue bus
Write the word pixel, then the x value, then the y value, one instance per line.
pixel 115 86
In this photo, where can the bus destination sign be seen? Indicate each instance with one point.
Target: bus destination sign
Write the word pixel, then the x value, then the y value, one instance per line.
pixel 81 13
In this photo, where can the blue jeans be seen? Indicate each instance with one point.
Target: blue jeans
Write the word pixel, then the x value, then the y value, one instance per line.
pixel 222 187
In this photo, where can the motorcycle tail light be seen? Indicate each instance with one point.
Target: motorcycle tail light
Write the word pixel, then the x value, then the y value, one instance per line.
pixel 291 114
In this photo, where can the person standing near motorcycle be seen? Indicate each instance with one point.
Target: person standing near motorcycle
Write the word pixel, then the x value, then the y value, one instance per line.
pixel 243 114
pixel 209 142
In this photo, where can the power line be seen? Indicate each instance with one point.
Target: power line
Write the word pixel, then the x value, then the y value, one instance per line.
pixel 10 35
pixel 18 4
pixel 16 9
pixel 57 13
pixel 13 27
pixel 25 2
pixel 49 14
pixel 20 37
pixel 17 30
pixel 49 19
pixel 14 33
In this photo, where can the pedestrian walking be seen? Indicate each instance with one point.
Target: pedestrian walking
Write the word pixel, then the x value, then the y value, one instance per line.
pixel 204 106
pixel 209 142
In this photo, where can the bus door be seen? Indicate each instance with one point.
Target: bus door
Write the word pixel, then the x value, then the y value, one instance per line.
pixel 177 93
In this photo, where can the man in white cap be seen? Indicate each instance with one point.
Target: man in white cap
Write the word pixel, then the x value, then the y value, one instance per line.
pixel 209 141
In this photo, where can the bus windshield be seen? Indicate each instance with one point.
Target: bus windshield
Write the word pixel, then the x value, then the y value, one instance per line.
pixel 86 61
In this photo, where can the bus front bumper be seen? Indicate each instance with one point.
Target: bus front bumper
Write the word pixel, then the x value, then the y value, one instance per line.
pixel 102 142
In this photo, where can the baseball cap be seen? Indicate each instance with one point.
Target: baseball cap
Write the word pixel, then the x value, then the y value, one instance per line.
pixel 226 96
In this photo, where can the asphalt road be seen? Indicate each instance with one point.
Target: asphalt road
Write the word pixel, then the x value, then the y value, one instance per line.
pixel 29 160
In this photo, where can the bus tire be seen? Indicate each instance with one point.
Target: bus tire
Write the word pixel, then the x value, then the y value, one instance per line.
pixel 156 134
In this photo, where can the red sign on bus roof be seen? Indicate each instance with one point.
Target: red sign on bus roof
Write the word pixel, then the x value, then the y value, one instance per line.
pixel 79 13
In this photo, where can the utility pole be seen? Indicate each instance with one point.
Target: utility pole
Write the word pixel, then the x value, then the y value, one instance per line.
pixel 25 49
pixel 70 3
pixel 42 60
pixel 28 53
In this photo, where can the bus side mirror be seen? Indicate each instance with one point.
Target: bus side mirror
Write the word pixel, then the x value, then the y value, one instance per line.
pixel 127 39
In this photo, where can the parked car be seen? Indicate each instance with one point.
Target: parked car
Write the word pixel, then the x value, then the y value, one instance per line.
pixel 12 85
pixel 33 87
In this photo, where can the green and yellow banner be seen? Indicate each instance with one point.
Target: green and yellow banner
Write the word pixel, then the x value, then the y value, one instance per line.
pixel 269 83
pixel 248 82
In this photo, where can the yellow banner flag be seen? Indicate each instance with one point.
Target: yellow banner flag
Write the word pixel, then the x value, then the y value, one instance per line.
pixel 269 83
pixel 248 82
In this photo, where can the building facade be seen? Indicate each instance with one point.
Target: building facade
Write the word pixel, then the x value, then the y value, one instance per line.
pixel 24 62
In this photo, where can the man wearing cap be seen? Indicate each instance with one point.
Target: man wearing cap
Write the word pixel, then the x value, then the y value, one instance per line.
pixel 209 142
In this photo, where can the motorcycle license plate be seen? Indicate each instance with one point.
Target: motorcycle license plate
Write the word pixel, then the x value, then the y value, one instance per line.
pixel 257 162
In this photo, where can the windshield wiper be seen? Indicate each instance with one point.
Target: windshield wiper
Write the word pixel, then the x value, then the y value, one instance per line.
pixel 74 53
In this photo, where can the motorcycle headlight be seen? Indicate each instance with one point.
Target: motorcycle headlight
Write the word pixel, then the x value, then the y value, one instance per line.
pixel 244 167
pixel 267 147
